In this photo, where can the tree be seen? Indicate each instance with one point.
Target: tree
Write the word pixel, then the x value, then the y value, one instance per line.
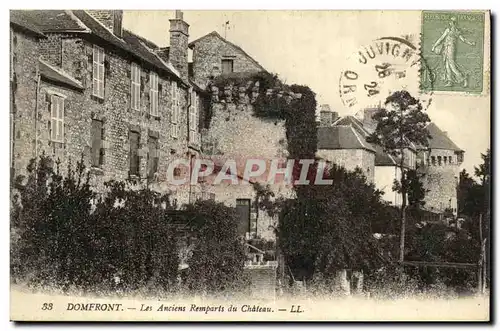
pixel 330 228
pixel 416 189
pixel 218 257
pixel 402 123
pixel 470 196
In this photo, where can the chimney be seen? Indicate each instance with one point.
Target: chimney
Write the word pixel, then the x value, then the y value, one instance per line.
pixel 111 19
pixel 178 52
pixel 327 117
pixel 368 122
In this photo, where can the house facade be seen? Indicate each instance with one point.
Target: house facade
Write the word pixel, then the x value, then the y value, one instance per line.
pixel 103 94
pixel 87 89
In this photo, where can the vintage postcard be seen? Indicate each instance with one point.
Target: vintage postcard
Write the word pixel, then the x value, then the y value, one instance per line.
pixel 177 165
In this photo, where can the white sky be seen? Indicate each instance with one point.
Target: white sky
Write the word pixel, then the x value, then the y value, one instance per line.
pixel 312 48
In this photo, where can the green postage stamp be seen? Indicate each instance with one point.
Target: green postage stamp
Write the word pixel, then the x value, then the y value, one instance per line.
pixel 452 46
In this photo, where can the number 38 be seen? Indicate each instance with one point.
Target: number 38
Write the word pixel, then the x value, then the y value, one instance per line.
pixel 47 306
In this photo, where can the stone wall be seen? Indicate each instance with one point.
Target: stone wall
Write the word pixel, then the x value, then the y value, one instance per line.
pixel 236 134
pixel 262 278
pixel 23 82
pixel 350 159
pixel 208 53
pixel 441 181
pixel 51 49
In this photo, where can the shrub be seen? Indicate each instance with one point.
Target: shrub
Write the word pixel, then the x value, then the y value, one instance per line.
pixel 218 256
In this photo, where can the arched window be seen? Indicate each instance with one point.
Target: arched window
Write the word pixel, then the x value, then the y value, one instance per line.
pixel 433 160
pixel 445 159
pixel 450 161
pixel 439 160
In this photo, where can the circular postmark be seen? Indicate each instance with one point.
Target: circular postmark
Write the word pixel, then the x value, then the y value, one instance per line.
pixel 386 65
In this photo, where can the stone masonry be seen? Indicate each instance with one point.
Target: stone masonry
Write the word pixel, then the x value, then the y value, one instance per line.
pixel 72 55
pixel 208 53
pixel 24 64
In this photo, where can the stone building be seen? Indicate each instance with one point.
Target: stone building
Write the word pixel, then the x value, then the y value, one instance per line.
pixel 341 144
pixel 24 50
pixel 88 88
pixel 213 56
pixel 441 165
pixel 96 91
pixel 439 162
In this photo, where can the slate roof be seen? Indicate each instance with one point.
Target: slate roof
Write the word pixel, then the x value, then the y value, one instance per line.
pixel 381 158
pixel 53 20
pixel 58 75
pixel 20 19
pixel 216 34
pixel 341 137
pixel 130 42
pixel 440 140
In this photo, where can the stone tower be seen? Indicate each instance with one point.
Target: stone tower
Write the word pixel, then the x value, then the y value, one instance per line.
pixel 441 165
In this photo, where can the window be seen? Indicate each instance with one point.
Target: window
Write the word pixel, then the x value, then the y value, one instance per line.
pixel 98 72
pixel 174 119
pixel 193 116
pixel 134 153
pixel 153 93
pixel 243 211
pixel 439 160
pixel 445 160
pixel 450 161
pixel 152 156
pixel 227 66
pixel 97 149
pixel 135 93
pixel 57 118
pixel 433 160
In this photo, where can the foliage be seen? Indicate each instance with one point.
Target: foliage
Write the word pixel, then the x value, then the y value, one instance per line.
pixel 218 257
pixel 414 188
pixel 470 196
pixel 133 238
pixel 66 237
pixel 50 221
pixel 301 126
pixel 329 229
pixel 441 243
pixel 399 125
pixel 402 122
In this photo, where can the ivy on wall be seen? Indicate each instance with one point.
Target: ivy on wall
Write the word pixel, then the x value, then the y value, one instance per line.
pixel 272 99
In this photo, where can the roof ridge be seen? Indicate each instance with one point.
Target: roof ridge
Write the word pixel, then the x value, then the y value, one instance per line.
pixel 361 140
pixel 77 20
pixel 142 39
pixel 104 26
